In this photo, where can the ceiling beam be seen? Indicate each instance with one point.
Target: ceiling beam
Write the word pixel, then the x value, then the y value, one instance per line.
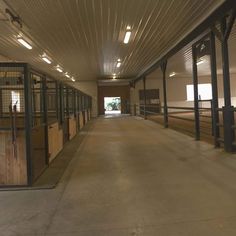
pixel 201 28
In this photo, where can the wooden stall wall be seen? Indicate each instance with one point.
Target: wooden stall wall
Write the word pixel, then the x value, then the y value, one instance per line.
pixel 81 120
pixel 72 127
pixel 13 170
pixel 122 91
pixel 55 140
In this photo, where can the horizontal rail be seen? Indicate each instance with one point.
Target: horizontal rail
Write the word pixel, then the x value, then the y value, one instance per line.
pixel 181 118
pixel 182 108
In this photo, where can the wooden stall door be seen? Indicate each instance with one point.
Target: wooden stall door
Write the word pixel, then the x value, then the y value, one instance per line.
pixel 13 165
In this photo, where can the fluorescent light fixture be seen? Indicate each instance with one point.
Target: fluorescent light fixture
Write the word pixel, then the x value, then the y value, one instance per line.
pixel 127 36
pixel 24 43
pixel 114 76
pixel 58 68
pixel 72 78
pixel 172 74
pixel 46 59
pixel 118 64
pixel 66 74
pixel 199 62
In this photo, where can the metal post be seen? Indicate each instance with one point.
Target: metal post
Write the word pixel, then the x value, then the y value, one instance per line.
pixel 228 114
pixel 163 69
pixel 45 117
pixel 195 86
pixel 28 123
pixel 145 98
pixel 214 103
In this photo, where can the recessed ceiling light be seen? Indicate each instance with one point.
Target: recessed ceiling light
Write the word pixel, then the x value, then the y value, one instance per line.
pixel 58 68
pixel 118 63
pixel 46 59
pixel 172 74
pixel 24 42
pixel 199 62
pixel 127 34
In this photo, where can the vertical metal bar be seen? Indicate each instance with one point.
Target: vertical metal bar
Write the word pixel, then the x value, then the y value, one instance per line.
pixel 28 123
pixel 45 117
pixel 214 104
pixel 195 86
pixel 225 62
pixel 228 114
pixel 57 100
pixel 145 97
pixel 163 69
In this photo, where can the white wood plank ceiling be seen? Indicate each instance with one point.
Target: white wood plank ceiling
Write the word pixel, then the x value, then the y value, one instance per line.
pixel 85 37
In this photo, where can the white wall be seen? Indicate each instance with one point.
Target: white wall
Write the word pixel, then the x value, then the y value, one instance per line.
pixel 176 90
pixel 90 88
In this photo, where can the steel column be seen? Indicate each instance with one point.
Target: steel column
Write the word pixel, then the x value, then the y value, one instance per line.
pixel 195 86
pixel 145 97
pixel 28 123
pixel 163 69
pixel 228 114
pixel 45 117
pixel 215 112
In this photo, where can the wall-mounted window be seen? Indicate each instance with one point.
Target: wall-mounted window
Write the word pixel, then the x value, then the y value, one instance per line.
pixel 204 92
pixel 15 98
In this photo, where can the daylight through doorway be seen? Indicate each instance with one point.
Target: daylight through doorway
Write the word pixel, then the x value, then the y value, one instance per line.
pixel 112 105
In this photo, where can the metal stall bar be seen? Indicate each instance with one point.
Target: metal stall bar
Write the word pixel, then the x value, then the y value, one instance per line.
pixel 215 112
pixel 163 69
pixel 28 122
pixel 195 85
pixel 144 97
pixel 223 34
pixel 45 116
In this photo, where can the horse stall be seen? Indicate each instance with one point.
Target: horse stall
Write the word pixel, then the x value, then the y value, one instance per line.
pixel 37 116
pixel 22 125
pixel 81 115
pixel 13 165
pixel 71 113
pixel 55 131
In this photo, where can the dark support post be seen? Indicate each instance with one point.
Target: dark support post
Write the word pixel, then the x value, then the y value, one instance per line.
pixel 28 123
pixel 145 97
pixel 214 104
pixel 163 69
pixel 228 113
pixel 195 86
pixel 45 116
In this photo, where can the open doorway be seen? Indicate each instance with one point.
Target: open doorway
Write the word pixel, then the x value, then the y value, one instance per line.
pixel 112 105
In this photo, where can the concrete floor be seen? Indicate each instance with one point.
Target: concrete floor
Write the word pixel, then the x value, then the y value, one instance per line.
pixel 131 177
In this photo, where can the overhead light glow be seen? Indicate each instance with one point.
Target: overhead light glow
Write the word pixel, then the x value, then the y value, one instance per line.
pixel 118 64
pixel 114 76
pixel 200 62
pixel 46 59
pixel 66 74
pixel 72 78
pixel 127 36
pixel 24 43
pixel 172 74
pixel 58 68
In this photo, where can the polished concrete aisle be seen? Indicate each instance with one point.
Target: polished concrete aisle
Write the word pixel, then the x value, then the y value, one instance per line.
pixel 131 177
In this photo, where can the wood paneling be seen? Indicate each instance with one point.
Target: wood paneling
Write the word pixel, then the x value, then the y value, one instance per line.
pixel 72 127
pixel 81 120
pixel 113 91
pixel 55 140
pixel 13 168
pixel 39 158
pixel 86 116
